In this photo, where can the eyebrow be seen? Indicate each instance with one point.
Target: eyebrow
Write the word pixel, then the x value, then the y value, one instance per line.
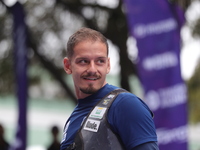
pixel 95 58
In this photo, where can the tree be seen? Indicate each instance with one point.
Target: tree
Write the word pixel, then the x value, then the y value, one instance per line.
pixel 46 24
pixel 6 66
pixel 51 22
pixel 193 83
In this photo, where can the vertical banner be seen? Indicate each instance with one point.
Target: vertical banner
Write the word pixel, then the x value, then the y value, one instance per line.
pixel 156 24
pixel 20 65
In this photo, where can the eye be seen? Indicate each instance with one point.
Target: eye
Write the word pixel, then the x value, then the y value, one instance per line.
pixel 82 61
pixel 100 61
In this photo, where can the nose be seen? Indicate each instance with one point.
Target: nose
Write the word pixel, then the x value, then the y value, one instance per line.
pixel 92 68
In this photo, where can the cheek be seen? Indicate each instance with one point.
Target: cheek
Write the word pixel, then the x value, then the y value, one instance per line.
pixel 76 79
pixel 76 74
pixel 75 70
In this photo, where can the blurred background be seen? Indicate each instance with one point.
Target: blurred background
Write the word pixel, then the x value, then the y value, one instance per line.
pixel 50 91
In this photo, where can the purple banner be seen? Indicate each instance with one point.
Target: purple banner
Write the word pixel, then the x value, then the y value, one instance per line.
pixel 156 26
pixel 20 61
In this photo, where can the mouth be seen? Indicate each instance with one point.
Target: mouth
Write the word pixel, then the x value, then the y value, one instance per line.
pixel 91 78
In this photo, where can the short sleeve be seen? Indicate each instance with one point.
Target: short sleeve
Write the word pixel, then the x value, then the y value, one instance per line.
pixel 131 119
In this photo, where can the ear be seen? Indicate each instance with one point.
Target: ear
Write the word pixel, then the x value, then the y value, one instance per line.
pixel 108 67
pixel 67 65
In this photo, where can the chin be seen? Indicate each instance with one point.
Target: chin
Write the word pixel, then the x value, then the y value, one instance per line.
pixel 89 90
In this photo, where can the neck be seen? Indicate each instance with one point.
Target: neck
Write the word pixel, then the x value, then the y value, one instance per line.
pixel 81 95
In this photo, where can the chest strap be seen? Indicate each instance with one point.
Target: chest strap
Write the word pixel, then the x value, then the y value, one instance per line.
pixel 95 132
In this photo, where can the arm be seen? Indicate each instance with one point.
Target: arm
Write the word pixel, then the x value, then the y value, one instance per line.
pixel 131 119
pixel 147 146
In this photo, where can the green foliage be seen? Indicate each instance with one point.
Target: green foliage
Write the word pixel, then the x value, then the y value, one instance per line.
pixel 194 83
pixel 196 30
pixel 194 96
pixel 51 22
pixel 6 59
pixel 6 75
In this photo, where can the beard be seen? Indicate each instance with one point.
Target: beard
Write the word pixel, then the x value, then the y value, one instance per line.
pixel 89 90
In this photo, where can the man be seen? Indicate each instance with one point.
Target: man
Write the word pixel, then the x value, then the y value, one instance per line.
pixel 4 145
pixel 130 125
pixel 55 144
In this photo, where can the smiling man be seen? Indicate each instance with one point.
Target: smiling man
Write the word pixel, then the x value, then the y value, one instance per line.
pixel 106 117
pixel 88 65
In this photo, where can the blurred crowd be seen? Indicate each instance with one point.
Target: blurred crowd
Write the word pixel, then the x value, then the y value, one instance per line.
pixel 54 145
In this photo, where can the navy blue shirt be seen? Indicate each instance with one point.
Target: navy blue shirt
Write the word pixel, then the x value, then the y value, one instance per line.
pixel 128 116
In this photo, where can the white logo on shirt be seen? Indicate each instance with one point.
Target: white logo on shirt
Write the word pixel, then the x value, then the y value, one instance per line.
pixel 65 132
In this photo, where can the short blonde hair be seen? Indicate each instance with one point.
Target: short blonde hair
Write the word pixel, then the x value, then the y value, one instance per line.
pixel 84 34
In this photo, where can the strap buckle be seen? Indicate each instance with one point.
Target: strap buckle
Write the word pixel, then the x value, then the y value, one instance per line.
pixel 71 146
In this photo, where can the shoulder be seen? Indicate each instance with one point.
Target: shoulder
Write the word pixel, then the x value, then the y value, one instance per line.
pixel 129 107
pixel 129 101
pixel 131 119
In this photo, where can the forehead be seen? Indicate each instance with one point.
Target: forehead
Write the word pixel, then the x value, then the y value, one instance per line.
pixel 90 48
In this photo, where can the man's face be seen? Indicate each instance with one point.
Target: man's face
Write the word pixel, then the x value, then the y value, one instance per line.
pixel 88 66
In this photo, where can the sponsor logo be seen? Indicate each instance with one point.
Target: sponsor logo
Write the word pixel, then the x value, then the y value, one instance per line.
pixel 111 96
pixel 98 112
pixel 92 125
pixel 106 101
pixel 143 30
pixel 160 61
pixel 166 136
pixel 167 97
